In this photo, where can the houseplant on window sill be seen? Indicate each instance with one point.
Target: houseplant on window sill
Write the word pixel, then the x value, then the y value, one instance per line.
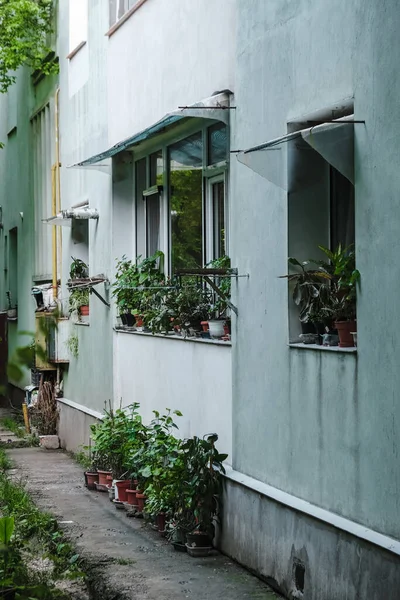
pixel 79 301
pixel 309 289
pixel 220 323
pixel 340 294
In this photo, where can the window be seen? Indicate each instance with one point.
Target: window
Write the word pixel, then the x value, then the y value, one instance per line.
pixel 78 23
pixel 186 202
pixel 320 200
pixel 186 219
pixel 118 8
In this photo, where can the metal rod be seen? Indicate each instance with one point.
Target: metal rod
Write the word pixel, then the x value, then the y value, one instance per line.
pixel 100 297
pixel 208 107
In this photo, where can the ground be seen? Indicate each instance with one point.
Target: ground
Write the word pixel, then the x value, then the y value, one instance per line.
pixel 124 558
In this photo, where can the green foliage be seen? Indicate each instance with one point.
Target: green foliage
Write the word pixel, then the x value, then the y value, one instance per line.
pixel 24 29
pixel 328 292
pixel 186 215
pixel 78 269
pixel 78 297
pixel 135 282
pixel 116 438
pixel 11 424
pixel 158 463
pixel 190 304
pixel 21 523
pixel 73 345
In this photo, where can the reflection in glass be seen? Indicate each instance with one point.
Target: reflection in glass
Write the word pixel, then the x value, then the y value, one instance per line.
pixel 156 168
pixel 217 143
pixel 140 179
pixel 218 208
pixel 186 202
pixel 153 223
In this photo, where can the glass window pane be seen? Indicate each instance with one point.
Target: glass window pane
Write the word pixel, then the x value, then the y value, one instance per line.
pixel 186 202
pixel 217 143
pixel 342 210
pixel 218 203
pixel 156 168
pixel 153 224
pixel 140 177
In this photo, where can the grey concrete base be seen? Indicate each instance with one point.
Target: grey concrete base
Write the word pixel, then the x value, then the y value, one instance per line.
pixel 74 428
pixel 282 545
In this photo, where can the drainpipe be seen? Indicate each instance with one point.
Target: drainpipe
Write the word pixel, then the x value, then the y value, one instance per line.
pixel 56 199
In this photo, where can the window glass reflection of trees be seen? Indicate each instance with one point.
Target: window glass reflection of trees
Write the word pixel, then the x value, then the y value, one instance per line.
pixel 186 202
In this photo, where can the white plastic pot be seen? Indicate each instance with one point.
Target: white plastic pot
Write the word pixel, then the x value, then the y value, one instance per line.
pixel 216 328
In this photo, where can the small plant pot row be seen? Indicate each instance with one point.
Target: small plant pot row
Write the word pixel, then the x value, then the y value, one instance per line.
pixel 125 495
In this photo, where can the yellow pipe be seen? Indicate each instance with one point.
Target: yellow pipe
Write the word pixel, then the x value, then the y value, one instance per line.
pixel 26 417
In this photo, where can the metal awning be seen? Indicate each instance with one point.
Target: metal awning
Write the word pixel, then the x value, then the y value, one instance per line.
pixel 333 140
pixel 65 217
pixel 215 107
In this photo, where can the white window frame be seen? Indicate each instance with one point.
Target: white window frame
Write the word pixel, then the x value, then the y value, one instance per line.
pixel 209 216
pixel 211 174
pixel 115 7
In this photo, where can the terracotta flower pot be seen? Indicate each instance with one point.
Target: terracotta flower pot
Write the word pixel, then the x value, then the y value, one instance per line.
pixel 91 479
pixel 204 325
pixel 84 310
pixel 122 487
pixel 345 330
pixel 140 499
pixel 139 320
pixel 109 480
pixel 131 496
pixel 103 477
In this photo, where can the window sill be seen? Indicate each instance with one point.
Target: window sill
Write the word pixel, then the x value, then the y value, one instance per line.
pixel 319 347
pixel 82 324
pixel 75 51
pixel 124 18
pixel 173 336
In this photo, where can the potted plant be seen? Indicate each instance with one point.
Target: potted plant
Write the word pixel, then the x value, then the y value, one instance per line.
pixel 78 269
pixel 340 294
pixel 190 304
pixel 79 301
pixel 198 505
pixel 309 287
pixel 220 306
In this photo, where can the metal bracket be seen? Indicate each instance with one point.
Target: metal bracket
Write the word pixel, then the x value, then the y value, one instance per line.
pixel 96 293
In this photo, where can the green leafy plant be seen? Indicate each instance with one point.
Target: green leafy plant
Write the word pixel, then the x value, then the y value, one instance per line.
pixel 309 288
pixel 72 344
pixel 159 462
pixel 25 26
pixel 340 291
pixel 116 438
pixel 78 297
pixel 78 269
pixel 190 304
pixel 221 299
pixel 136 283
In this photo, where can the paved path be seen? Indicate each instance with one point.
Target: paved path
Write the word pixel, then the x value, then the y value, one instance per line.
pixel 125 558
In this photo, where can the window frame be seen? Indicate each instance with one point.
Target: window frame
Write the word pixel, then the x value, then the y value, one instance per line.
pixel 209 172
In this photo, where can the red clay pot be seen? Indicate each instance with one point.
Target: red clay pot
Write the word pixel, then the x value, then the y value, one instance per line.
pixel 204 325
pixel 122 487
pixel 109 480
pixel 91 479
pixel 344 329
pixel 139 320
pixel 103 477
pixel 131 496
pixel 140 499
pixel 84 310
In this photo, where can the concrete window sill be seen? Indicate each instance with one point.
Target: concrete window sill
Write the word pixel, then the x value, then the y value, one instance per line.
pixel 301 346
pixel 75 51
pixel 173 337
pixel 82 324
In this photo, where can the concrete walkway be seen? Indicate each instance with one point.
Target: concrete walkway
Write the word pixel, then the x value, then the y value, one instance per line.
pixel 124 558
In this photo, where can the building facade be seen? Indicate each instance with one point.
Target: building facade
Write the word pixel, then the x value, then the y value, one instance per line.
pixel 282 118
